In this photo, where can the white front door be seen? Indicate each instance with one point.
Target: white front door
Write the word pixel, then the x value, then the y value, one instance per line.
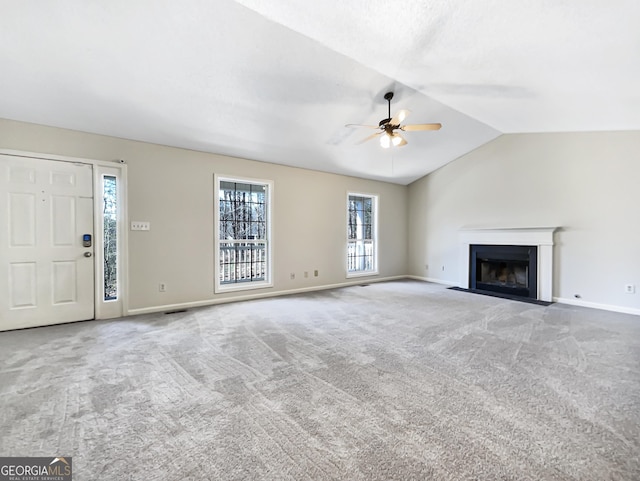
pixel 46 274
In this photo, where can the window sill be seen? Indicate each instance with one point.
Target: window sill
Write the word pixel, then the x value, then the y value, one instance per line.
pixel 241 286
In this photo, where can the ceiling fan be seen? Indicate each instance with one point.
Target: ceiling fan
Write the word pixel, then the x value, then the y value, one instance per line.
pixel 389 128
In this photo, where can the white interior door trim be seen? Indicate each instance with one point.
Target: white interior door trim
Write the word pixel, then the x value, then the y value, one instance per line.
pixel 103 309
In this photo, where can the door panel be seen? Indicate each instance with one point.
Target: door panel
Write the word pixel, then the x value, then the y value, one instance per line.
pixel 45 274
pixel 22 220
pixel 22 274
pixel 63 279
pixel 63 218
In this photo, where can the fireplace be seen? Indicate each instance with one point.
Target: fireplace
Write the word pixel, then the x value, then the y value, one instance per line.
pixel 506 269
pixel 540 238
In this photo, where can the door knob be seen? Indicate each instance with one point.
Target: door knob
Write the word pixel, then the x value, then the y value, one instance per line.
pixel 88 254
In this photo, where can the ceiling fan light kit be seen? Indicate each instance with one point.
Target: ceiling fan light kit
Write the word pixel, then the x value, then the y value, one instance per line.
pixel 394 139
pixel 388 127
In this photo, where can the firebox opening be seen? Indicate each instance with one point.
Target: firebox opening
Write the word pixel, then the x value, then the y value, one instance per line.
pixel 510 270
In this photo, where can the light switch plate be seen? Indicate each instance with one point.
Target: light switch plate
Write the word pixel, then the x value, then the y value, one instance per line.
pixel 138 225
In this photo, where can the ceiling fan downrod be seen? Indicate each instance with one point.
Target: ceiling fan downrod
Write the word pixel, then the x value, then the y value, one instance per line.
pixel 388 96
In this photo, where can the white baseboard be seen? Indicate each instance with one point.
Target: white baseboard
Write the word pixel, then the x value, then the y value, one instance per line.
pixel 595 305
pixel 560 300
pixel 260 295
pixel 263 295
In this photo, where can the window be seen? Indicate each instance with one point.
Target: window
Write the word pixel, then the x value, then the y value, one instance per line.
pixel 110 236
pixel 243 225
pixel 361 234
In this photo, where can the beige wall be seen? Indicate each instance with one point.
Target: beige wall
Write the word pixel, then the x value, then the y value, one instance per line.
pixel 586 183
pixel 173 189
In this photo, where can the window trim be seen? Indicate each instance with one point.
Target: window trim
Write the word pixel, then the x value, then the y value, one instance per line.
pixel 107 309
pixel 242 286
pixel 373 272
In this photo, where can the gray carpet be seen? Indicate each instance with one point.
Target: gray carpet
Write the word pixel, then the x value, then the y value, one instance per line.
pixel 400 380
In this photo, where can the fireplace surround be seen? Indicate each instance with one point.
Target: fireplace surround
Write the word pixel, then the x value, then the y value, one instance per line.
pixel 540 238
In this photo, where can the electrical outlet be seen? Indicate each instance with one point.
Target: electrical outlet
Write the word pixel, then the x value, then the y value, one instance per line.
pixel 138 225
pixel 292 276
pixel 162 287
pixel 315 273
pixel 426 267
pixel 630 289
pixel 306 274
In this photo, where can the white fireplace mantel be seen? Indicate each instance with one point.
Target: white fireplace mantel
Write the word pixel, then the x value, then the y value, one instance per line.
pixel 542 237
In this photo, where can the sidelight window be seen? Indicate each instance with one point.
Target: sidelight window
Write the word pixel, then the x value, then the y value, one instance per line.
pixel 110 236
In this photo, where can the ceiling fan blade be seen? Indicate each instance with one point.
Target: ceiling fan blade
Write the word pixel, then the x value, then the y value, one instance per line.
pixel 369 138
pixel 411 128
pixel 361 125
pixel 399 117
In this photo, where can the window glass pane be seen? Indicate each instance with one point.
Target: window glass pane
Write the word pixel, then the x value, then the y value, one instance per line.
pixel 110 239
pixel 360 256
pixel 243 232
pixel 360 233
pixel 242 187
pixel 226 186
pixel 242 262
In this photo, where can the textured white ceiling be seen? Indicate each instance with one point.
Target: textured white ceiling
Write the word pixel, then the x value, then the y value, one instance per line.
pixel 277 81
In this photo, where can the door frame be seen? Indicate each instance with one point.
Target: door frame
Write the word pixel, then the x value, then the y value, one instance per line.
pixel 102 309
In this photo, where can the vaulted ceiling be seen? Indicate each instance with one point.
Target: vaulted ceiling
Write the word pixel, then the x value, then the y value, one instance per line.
pixel 278 81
